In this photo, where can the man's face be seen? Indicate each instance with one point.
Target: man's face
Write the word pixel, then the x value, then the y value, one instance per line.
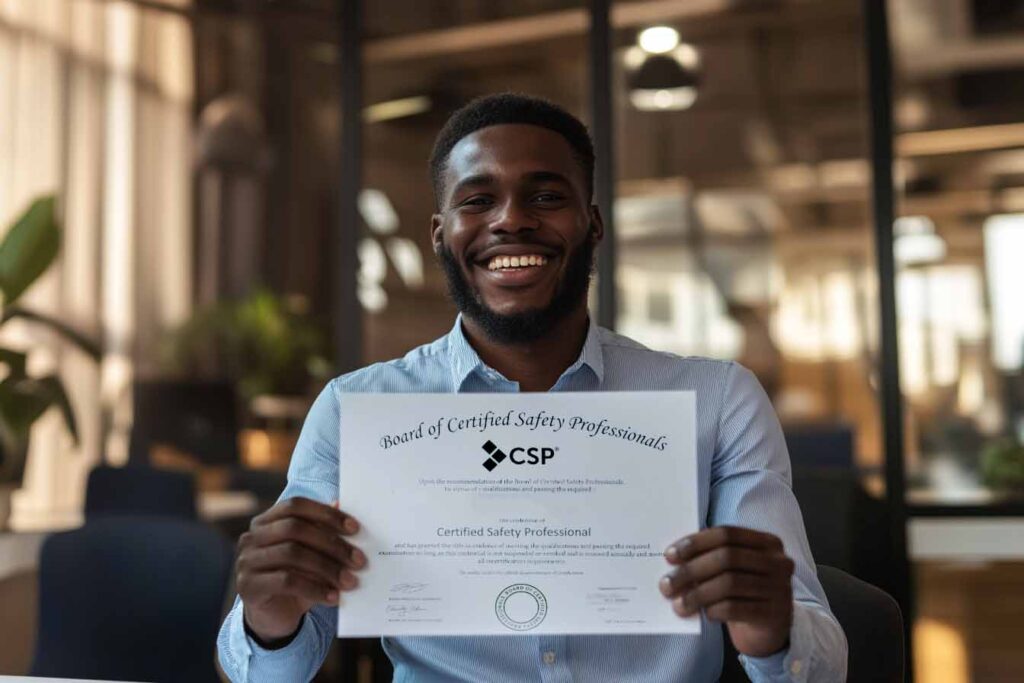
pixel 516 231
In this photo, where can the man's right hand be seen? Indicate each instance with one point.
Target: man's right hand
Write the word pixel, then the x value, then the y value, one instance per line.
pixel 294 557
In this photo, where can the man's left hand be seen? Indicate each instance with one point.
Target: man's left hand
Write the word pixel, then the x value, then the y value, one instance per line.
pixel 738 576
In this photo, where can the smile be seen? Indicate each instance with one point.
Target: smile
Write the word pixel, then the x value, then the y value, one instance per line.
pixel 509 262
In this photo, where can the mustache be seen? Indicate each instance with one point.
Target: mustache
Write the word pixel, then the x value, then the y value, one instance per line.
pixel 544 246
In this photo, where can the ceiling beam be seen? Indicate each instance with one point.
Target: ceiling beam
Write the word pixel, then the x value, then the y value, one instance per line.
pixel 539 27
pixel 963 55
pixel 959 140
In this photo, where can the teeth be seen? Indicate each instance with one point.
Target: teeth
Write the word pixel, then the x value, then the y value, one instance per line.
pixel 500 262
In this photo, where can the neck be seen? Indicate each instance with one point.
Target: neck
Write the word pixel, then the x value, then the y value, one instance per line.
pixel 537 365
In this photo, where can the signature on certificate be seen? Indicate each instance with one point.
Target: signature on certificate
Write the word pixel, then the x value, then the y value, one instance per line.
pixel 404 609
pixel 411 587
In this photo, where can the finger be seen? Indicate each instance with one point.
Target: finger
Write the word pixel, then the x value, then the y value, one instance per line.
pixel 731 586
pixel 741 610
pixel 348 581
pixel 708 539
pixel 309 510
pixel 318 538
pixel 291 583
pixel 294 555
pixel 721 560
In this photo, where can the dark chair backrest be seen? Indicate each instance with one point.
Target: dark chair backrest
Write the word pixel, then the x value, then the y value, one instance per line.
pixel 139 490
pixel 844 523
pixel 131 599
pixel 197 417
pixel 820 444
pixel 829 501
pixel 873 625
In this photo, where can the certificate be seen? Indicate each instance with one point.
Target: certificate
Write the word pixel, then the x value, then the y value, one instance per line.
pixel 504 514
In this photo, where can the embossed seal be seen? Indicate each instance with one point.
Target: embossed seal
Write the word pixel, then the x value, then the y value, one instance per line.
pixel 521 607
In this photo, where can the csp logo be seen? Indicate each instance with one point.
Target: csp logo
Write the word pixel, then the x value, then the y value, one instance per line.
pixel 534 455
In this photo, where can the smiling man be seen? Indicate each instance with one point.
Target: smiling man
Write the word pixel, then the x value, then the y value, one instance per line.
pixel 515 232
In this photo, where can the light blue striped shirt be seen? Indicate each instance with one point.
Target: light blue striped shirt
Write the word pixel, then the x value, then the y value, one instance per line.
pixel 744 479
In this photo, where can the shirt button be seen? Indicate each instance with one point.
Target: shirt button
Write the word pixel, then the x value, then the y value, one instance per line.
pixel 796 666
pixel 549 658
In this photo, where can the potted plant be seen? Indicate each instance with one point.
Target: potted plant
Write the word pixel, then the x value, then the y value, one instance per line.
pixel 28 249
pixel 1002 466
pixel 275 354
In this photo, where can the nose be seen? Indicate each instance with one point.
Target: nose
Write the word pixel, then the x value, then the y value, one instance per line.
pixel 513 217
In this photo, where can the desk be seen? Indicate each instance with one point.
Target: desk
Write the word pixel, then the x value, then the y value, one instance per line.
pixel 966 539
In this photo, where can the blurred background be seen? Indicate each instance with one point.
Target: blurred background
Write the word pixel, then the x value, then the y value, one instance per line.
pixel 211 207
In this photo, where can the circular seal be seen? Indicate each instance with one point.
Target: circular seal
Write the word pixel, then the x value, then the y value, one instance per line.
pixel 521 607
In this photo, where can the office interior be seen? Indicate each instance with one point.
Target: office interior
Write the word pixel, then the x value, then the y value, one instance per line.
pixel 235 192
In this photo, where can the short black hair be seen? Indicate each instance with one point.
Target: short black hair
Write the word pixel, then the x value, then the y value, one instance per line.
pixel 509 107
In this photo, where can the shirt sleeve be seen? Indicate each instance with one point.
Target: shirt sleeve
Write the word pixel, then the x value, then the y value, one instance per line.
pixel 751 486
pixel 313 474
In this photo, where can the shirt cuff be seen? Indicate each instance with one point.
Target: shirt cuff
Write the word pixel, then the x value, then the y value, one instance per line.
pixel 792 664
pixel 256 663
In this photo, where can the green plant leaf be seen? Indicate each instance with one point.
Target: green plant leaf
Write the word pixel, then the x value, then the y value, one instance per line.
pixel 80 340
pixel 29 248
pixel 23 400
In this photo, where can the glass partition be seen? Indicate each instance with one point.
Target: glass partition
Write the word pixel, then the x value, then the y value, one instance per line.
pixel 742 208
pixel 959 120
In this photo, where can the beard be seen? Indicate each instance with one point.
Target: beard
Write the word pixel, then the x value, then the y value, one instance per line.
pixel 527 326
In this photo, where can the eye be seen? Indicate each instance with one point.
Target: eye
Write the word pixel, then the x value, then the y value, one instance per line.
pixel 476 200
pixel 547 197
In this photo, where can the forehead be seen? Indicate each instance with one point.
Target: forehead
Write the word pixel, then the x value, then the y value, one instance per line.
pixel 512 149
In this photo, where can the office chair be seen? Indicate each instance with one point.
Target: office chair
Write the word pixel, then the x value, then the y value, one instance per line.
pixel 139 490
pixel 131 599
pixel 841 518
pixel 873 625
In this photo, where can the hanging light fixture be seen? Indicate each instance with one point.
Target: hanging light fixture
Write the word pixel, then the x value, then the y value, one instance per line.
pixel 917 242
pixel 664 71
pixel 658 40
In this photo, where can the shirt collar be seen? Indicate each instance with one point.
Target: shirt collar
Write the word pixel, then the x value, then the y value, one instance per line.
pixel 464 359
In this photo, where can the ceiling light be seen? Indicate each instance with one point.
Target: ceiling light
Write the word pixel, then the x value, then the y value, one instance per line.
pixel 665 99
pixel 396 109
pixel 662 84
pixel 658 39
pixel 687 56
pixel 633 57
pixel 913 225
pixel 916 242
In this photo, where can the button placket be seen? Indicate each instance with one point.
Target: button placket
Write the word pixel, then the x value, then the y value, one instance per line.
pixel 552 658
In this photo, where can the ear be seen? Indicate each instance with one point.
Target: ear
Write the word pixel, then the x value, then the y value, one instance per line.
pixel 437 231
pixel 596 224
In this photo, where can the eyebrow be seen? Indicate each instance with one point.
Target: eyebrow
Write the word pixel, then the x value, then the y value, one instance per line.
pixel 547 176
pixel 479 180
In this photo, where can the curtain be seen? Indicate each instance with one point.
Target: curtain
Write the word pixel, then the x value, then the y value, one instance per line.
pixel 96 107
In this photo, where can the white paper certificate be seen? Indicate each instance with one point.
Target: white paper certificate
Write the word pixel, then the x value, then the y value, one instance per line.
pixel 487 514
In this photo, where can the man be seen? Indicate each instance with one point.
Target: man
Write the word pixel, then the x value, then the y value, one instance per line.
pixel 515 232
